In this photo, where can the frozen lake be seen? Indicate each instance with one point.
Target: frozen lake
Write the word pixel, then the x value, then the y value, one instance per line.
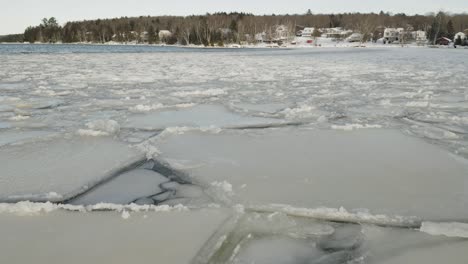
pixel 313 155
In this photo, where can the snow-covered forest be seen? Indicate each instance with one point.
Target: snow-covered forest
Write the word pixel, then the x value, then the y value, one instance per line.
pixel 221 28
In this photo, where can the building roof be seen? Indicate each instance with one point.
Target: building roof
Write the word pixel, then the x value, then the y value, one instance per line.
pixel 444 38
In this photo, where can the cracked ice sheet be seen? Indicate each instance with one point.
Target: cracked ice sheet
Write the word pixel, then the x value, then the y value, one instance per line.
pixel 197 116
pixel 60 168
pixel 11 137
pixel 379 170
pixel 397 246
pixel 105 237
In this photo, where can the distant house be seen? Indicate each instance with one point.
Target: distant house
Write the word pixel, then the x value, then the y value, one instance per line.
pixel 420 36
pixel 355 37
pixel 336 33
pixel 307 32
pixel 260 37
pixel 281 32
pixel 144 37
pixel 443 41
pixel 391 35
pixel 164 34
pixel 461 35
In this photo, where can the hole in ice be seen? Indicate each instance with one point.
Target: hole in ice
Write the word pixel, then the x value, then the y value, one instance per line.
pixel 149 183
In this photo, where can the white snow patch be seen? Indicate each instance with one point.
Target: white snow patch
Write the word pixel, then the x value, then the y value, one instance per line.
pixel 28 208
pixel 385 102
pixel 301 111
pixel 145 108
pixel 125 214
pixel 45 196
pixel 91 133
pixel 100 128
pixel 350 127
pixel 452 229
pixel 223 185
pixel 339 214
pixel 200 93
pixel 417 104
pixel 19 118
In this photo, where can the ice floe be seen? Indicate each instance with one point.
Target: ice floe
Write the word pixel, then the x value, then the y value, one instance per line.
pixel 67 166
pixel 313 168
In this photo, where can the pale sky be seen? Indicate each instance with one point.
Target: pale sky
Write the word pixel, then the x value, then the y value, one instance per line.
pixel 16 15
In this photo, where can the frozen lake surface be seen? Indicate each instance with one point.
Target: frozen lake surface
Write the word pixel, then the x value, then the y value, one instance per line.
pixel 182 155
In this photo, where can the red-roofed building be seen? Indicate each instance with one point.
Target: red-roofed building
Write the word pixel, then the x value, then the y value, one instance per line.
pixel 443 41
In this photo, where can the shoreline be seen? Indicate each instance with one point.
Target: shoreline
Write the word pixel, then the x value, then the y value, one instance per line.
pixel 237 46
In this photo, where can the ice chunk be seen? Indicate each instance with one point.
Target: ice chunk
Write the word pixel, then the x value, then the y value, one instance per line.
pixel 9 137
pixel 170 185
pixel 176 201
pixel 446 229
pixel 101 127
pixel 67 166
pixel 395 246
pixel 189 191
pixel 381 170
pixel 124 188
pixel 270 250
pixel 197 116
pixel 200 93
pixel 261 108
pixel 343 238
pixel 39 103
pixel 104 237
pixel 161 197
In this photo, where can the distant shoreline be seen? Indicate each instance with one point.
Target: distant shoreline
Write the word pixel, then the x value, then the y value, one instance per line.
pixel 261 46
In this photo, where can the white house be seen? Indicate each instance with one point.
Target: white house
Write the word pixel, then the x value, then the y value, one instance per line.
pixel 307 32
pixel 164 34
pixel 259 37
pixel 281 32
pixel 336 33
pixel 420 36
pixel 391 35
pixel 461 35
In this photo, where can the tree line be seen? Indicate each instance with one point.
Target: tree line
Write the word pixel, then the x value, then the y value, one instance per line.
pixel 222 28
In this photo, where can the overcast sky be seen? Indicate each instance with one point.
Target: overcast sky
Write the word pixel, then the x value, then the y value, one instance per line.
pixel 16 15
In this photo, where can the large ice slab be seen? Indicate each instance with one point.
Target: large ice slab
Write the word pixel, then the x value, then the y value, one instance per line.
pixel 280 238
pixel 380 170
pixel 59 168
pixel 197 116
pixel 105 237
pixel 396 246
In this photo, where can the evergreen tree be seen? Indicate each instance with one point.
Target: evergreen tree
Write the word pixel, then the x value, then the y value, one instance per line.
pixel 450 30
pixel 151 35
pixel 233 26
